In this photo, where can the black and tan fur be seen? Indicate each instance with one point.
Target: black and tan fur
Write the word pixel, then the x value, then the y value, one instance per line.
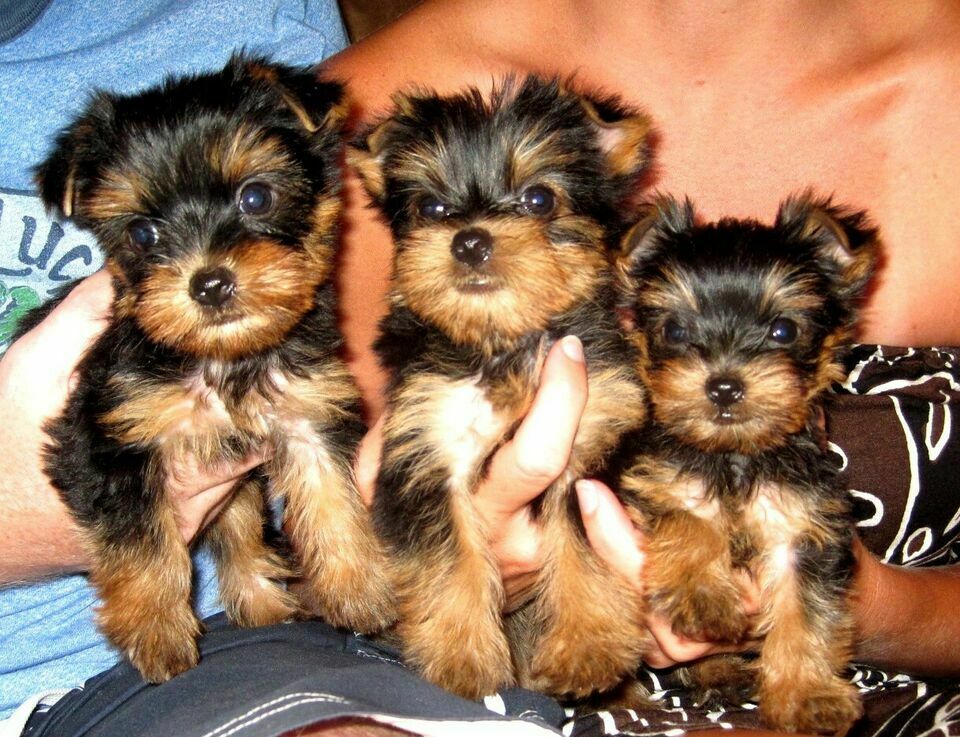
pixel 740 329
pixel 503 211
pixel 216 199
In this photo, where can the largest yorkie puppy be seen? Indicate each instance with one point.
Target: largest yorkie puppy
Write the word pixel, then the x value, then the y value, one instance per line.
pixel 503 211
pixel 217 200
pixel 740 329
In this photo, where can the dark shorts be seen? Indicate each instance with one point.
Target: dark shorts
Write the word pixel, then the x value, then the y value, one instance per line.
pixel 267 681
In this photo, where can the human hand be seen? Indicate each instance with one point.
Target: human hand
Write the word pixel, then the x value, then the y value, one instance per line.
pixel 524 467
pixel 617 541
pixel 38 535
pixel 520 470
pixel 199 493
pixel 36 375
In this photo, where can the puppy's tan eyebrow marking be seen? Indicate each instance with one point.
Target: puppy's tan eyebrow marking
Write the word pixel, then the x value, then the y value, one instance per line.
pixel 784 291
pixel 246 153
pixel 119 192
pixel 672 292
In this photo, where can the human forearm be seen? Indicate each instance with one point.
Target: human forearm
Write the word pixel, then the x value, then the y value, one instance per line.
pixel 906 618
pixel 38 538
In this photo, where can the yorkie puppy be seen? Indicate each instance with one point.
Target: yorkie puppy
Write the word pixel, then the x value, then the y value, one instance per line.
pixel 504 212
pixel 740 329
pixel 216 199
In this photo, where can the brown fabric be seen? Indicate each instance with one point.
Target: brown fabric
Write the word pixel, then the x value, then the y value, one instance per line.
pixel 895 427
pixel 892 429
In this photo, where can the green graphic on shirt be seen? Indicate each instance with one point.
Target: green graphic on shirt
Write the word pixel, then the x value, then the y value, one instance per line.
pixel 14 304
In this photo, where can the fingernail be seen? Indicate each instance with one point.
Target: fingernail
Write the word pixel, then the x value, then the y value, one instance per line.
pixel 572 348
pixel 587 496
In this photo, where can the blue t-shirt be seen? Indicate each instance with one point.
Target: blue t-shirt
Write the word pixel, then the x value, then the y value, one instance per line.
pixel 47 636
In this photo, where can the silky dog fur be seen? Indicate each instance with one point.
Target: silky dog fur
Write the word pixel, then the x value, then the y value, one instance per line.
pixel 216 199
pixel 740 328
pixel 504 209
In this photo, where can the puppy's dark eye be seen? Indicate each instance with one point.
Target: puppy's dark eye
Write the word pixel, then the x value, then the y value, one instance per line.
pixel 674 333
pixel 783 330
pixel 142 233
pixel 433 209
pixel 537 200
pixel 255 199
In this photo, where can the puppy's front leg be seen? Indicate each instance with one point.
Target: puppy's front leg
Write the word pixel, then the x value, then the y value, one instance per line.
pixel 689 578
pixel 809 640
pixel 112 478
pixel 330 528
pixel 142 572
pixel 448 587
pixel 251 574
pixel 589 630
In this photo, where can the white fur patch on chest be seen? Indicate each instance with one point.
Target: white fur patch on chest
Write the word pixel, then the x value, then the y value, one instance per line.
pixel 777 518
pixel 690 494
pixel 465 428
pixel 203 411
pixel 205 403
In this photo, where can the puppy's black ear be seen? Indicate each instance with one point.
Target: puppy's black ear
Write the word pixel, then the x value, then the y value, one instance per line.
pixel 319 105
pixel 624 135
pixel 656 221
pixel 78 153
pixel 846 242
pixel 368 152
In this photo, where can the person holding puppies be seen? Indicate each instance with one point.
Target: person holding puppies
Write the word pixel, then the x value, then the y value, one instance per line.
pixel 749 101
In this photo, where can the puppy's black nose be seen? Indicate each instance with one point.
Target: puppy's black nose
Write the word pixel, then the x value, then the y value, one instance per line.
pixel 724 391
pixel 213 287
pixel 472 246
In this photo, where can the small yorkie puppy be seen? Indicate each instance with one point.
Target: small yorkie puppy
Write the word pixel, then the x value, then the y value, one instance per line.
pixel 740 329
pixel 504 212
pixel 216 199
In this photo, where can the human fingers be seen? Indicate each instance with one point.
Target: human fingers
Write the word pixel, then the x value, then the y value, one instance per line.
pixel 523 468
pixel 35 380
pixel 540 448
pixel 198 493
pixel 669 648
pixel 39 366
pixel 610 531
pixel 617 541
pixel 66 333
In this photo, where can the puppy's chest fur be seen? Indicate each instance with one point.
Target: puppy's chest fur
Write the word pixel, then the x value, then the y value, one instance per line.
pixel 214 410
pixel 467 405
pixel 763 504
pixel 199 415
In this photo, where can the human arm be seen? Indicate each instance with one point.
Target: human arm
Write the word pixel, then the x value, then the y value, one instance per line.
pixel 906 618
pixel 38 538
